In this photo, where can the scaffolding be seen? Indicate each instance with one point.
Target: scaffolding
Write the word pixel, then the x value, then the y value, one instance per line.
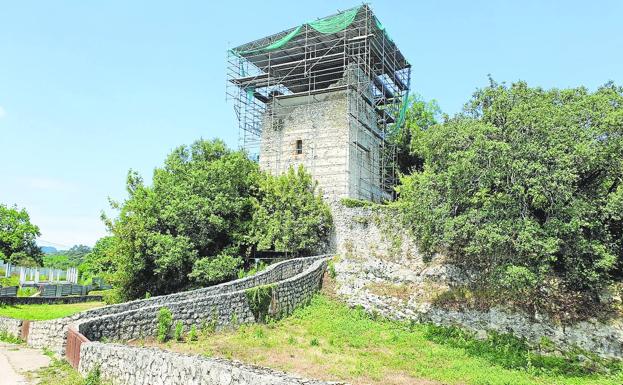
pixel 349 54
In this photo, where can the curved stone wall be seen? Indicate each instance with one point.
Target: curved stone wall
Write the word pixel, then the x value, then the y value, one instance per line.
pixel 222 307
pixel 188 305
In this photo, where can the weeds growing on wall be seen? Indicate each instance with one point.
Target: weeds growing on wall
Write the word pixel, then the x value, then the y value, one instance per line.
pixel 260 299
pixel 10 338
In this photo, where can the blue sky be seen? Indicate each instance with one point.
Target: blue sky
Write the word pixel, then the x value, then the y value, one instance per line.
pixel 90 89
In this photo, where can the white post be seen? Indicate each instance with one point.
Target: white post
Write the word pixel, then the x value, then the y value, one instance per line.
pixel 22 275
pixel 7 271
pixel 36 275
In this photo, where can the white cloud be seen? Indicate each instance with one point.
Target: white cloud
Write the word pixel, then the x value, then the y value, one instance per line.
pixel 2 112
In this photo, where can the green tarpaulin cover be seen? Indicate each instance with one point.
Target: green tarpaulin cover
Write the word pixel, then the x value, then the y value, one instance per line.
pixel 327 25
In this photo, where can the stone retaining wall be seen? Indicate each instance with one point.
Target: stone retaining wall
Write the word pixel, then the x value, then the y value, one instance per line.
pixel 125 365
pixel 11 326
pixel 222 309
pixel 380 268
pixel 53 334
pixel 49 334
pixel 272 273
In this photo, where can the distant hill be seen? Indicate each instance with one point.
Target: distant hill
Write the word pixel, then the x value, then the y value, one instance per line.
pixel 48 249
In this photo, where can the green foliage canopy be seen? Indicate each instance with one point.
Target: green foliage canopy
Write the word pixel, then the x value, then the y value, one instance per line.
pixel 525 184
pixel 63 259
pixel 290 215
pixel 100 261
pixel 17 237
pixel 421 115
pixel 199 206
pixel 208 208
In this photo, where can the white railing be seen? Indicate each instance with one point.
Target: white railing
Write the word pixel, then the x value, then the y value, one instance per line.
pixel 35 275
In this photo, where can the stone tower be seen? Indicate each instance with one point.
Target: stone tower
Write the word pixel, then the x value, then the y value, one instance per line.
pixel 324 95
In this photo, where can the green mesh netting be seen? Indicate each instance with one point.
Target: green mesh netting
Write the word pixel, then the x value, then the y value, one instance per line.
pixel 335 23
pixel 327 25
pixel 274 45
pixel 381 27
pixel 403 110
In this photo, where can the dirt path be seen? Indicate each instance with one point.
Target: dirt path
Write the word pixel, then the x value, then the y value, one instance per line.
pixel 15 360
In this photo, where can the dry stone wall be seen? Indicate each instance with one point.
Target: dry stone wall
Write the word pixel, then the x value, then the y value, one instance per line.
pixel 11 326
pixel 53 334
pixel 125 365
pixel 380 268
pixel 225 309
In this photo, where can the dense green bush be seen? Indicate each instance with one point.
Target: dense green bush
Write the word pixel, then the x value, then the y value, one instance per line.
pixel 208 209
pixel 525 187
pixel 199 207
pixel 165 322
pixel 221 268
pixel 290 215
pixel 99 261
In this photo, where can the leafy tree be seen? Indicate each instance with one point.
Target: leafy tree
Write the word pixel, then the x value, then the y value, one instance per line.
pixel 223 267
pixel 198 209
pixel 525 185
pixel 57 261
pixel 207 210
pixel 100 261
pixel 63 259
pixel 17 237
pixel 76 253
pixel 421 115
pixel 291 215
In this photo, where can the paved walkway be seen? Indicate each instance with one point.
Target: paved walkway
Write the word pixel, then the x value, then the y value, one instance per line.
pixel 15 360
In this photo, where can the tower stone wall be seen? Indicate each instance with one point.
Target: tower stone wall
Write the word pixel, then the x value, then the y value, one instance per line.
pixel 332 135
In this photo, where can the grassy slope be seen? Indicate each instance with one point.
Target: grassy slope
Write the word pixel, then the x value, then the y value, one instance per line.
pixel 45 312
pixel 327 340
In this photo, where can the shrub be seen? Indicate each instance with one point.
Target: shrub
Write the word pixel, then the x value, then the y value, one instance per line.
pixel 198 208
pixel 526 182
pixel 260 299
pixel 210 271
pixel 26 291
pixel 179 331
pixel 517 279
pixel 331 269
pixel 110 296
pixel 291 215
pixel 165 321
pixel 192 335
pixel 252 271
pixel 351 202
